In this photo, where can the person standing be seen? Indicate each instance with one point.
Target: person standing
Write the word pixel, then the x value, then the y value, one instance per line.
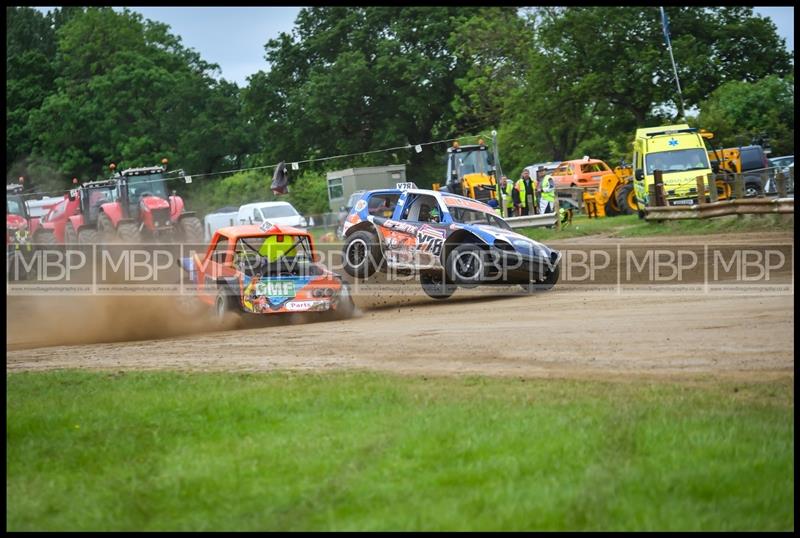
pixel 524 189
pixel 548 196
pixel 508 197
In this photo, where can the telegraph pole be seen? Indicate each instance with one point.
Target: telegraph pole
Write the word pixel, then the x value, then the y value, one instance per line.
pixel 665 26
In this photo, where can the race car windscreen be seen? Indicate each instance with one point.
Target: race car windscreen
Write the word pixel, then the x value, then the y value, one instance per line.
pixel 274 255
pixel 473 216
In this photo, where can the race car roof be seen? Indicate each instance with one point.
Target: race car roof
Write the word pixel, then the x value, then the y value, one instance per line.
pixel 252 230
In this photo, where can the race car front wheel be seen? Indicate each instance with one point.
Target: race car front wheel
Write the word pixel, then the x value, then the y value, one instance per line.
pixel 362 254
pixel 550 279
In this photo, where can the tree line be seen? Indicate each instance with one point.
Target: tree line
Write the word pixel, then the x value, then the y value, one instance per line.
pixel 90 86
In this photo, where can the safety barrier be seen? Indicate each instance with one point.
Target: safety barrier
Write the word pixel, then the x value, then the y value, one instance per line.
pixel 738 205
pixel 532 221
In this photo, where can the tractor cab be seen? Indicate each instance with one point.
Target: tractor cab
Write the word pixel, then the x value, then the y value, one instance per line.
pixel 92 196
pixel 139 183
pixel 15 203
pixel 470 171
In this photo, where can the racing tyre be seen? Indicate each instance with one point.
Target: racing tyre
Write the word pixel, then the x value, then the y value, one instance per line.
pixel 345 307
pixel 626 199
pixel 223 307
pixel 129 233
pixel 191 230
pixel 465 265
pixel 362 254
pixel 549 281
pixel 105 228
pixel 436 286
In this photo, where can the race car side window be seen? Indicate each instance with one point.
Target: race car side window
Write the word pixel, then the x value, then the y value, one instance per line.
pixel 220 250
pixel 420 208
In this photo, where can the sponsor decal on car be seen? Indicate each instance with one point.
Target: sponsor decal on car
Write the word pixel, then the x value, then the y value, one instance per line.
pixel 298 306
pixel 275 289
pixel 430 239
pixel 361 204
pixel 400 226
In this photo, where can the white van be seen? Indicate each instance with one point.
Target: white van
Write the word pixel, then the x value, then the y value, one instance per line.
pixel 220 218
pixel 276 212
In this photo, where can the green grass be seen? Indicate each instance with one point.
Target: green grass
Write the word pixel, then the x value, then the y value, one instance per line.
pixel 632 226
pixel 172 451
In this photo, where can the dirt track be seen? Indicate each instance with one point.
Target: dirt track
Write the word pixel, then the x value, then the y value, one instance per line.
pixel 571 331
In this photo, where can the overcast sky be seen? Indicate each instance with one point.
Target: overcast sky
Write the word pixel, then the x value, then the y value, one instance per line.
pixel 234 37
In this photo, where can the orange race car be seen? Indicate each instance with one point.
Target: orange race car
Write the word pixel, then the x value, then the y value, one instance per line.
pixel 267 269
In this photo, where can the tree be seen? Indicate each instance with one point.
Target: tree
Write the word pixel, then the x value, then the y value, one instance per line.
pixel 30 50
pixel 611 71
pixel 737 112
pixel 357 79
pixel 128 92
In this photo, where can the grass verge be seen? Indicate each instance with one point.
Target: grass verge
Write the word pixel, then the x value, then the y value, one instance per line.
pixel 357 451
pixel 632 226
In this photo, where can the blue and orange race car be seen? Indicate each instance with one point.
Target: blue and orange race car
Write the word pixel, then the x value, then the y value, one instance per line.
pixel 267 269
pixel 449 240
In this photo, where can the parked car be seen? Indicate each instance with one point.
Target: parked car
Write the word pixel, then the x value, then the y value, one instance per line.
pixel 264 270
pixel 584 172
pixel 782 164
pixel 222 217
pixel 282 213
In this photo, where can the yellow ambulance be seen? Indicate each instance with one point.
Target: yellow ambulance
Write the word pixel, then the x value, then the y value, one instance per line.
pixel 679 152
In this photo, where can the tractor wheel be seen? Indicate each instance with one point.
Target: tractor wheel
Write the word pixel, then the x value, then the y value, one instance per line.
pixel 88 236
pixel 105 228
pixel 547 283
pixel 191 229
pixel 70 235
pixel 435 285
pixel 45 237
pixel 626 199
pixel 723 190
pixel 362 254
pixel 612 209
pixel 128 232
pixel 465 265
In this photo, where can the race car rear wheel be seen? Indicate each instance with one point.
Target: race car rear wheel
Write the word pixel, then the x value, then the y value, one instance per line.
pixel 345 307
pixel 361 254
pixel 436 286
pixel 465 265
pixel 223 306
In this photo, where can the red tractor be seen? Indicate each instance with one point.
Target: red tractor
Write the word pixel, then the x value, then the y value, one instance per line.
pixel 130 206
pixel 20 226
pixel 54 224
